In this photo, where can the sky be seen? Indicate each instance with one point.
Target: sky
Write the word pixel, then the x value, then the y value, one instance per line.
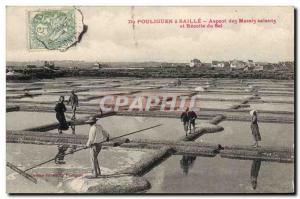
pixel 111 38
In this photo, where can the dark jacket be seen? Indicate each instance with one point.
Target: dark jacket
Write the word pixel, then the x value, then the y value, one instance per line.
pixel 192 115
pixel 184 117
pixel 60 109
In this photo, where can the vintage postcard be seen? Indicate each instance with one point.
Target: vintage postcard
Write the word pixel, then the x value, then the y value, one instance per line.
pixel 150 100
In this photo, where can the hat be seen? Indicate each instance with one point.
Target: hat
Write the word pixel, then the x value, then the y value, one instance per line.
pixel 252 112
pixel 91 120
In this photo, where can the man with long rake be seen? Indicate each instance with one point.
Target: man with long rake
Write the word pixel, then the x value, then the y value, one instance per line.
pixel 96 135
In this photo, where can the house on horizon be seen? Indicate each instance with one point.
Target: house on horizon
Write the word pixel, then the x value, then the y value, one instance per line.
pixel 261 66
pixel 99 66
pixel 220 64
pixel 49 64
pixel 237 64
pixel 287 65
pixel 205 65
pixel 250 63
pixel 195 63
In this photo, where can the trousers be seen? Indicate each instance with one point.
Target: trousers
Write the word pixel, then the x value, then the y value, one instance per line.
pixel 94 152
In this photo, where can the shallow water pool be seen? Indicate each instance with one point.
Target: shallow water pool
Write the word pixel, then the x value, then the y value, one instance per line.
pixel 188 174
pixel 239 133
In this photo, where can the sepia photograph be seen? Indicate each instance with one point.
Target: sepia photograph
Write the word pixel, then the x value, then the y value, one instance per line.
pixel 150 100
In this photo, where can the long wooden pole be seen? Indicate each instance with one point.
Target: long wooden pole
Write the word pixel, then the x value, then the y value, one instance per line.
pixel 23 173
pixel 100 143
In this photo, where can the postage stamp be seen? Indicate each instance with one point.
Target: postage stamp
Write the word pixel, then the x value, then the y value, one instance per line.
pixel 53 29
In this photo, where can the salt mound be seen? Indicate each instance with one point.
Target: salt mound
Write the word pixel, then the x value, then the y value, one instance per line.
pixel 107 184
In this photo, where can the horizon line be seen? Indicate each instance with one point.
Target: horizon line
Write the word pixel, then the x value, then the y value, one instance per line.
pixel 141 61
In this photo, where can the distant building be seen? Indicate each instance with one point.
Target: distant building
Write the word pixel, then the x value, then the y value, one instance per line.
pixel 49 64
pixel 206 65
pixel 247 68
pixel 97 66
pixel 226 64
pixel 250 63
pixel 258 67
pixel 263 66
pixel 237 64
pixel 288 65
pixel 214 64
pixel 220 64
pixel 269 66
pixel 195 63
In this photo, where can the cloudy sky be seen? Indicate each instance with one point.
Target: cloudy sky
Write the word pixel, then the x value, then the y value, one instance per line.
pixel 111 38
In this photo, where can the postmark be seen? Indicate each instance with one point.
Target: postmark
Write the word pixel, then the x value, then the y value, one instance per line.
pixel 54 29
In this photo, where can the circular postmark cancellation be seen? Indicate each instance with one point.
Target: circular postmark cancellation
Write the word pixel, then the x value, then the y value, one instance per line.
pixel 54 29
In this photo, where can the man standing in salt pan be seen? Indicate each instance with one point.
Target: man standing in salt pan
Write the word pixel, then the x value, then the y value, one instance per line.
pixel 96 135
pixel 73 100
pixel 254 128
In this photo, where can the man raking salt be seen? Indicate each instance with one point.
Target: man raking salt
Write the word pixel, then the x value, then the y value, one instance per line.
pixel 96 136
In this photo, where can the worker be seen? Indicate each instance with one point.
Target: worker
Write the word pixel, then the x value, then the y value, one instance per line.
pixel 192 119
pixel 254 128
pixel 73 100
pixel 60 109
pixel 178 82
pixel 96 135
pixel 185 120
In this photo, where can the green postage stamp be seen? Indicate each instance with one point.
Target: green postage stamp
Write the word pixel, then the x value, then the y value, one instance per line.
pixel 54 29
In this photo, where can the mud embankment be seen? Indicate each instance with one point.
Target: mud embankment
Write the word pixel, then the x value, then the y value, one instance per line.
pixel 151 72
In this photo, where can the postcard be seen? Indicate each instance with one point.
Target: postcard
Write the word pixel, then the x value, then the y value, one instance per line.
pixel 150 100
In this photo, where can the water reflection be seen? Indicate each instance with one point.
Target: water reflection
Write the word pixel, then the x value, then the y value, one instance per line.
pixel 186 163
pixel 60 156
pixel 254 172
pixel 73 128
pixel 62 149
pixel 73 147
